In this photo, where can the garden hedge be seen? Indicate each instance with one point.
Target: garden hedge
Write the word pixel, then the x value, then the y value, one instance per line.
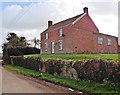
pixel 17 51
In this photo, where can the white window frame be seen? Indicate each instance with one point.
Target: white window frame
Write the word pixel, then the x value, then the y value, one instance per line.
pixel 46 46
pixel 46 36
pixel 100 40
pixel 53 46
pixel 60 45
pixel 60 32
pixel 109 40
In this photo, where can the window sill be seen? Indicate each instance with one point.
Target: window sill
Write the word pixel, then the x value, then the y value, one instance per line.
pixel 109 45
pixel 60 49
pixel 100 44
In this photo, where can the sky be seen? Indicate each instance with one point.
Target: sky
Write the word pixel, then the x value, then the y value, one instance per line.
pixel 29 17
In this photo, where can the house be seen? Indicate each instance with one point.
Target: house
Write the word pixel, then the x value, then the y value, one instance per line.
pixel 119 50
pixel 78 34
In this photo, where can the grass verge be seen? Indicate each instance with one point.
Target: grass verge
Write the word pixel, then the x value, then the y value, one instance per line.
pixel 83 85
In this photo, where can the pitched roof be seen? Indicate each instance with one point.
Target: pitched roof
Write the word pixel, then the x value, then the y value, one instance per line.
pixel 105 35
pixel 70 21
pixel 65 22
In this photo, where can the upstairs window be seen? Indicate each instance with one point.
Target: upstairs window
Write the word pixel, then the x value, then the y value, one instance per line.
pixel 109 41
pixel 60 45
pixel 46 46
pixel 60 32
pixel 100 40
pixel 46 35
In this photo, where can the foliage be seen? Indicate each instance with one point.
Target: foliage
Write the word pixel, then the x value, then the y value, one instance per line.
pixel 16 51
pixel 36 42
pixel 16 46
pixel 14 41
pixel 82 85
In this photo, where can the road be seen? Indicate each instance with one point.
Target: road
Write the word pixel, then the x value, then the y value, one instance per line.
pixel 15 83
pixel 0 78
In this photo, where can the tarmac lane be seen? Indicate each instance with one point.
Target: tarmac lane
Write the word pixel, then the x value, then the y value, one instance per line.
pixel 15 83
pixel 0 78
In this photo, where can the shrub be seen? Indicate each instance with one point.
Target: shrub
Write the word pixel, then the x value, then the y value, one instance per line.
pixel 16 51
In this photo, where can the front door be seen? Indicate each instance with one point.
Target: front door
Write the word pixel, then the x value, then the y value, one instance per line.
pixel 52 47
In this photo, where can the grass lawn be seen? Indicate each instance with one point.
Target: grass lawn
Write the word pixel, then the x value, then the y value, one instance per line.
pixel 83 85
pixel 75 56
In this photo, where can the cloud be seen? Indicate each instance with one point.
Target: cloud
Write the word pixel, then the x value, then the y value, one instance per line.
pixel 18 0
pixel 36 15
pixel 9 15
pixel 105 16
pixel 31 20
pixel 104 8
pixel 107 24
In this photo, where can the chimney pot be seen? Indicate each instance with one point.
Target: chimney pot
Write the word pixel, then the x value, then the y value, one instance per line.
pixel 50 23
pixel 85 9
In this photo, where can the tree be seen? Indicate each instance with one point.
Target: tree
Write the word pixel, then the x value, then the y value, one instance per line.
pixel 15 41
pixel 36 42
pixel 23 41
pixel 15 46
pixel 10 36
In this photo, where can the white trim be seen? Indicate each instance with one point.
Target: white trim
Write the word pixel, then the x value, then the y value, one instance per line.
pixel 46 35
pixel 100 40
pixel 109 41
pixel 52 47
pixel 46 46
pixel 60 41
pixel 60 32
pixel 78 19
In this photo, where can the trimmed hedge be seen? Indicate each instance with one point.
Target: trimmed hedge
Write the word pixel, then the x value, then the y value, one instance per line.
pixel 96 69
pixel 22 51
pixel 17 51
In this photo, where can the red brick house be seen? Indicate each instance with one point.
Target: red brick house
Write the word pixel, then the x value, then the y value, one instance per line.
pixel 78 34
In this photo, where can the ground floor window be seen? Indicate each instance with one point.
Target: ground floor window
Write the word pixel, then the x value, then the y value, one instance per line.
pixel 109 41
pixel 46 46
pixel 60 45
pixel 100 40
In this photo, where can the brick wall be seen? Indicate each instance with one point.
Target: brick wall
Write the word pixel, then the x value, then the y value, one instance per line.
pixel 105 48
pixel 79 38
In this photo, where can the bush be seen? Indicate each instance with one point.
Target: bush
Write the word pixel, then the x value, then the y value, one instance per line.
pixel 22 51
pixel 17 51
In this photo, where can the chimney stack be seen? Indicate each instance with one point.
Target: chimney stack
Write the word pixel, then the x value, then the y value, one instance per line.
pixel 50 23
pixel 85 9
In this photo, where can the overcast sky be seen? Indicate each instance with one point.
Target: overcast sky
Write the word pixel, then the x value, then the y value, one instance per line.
pixel 29 18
